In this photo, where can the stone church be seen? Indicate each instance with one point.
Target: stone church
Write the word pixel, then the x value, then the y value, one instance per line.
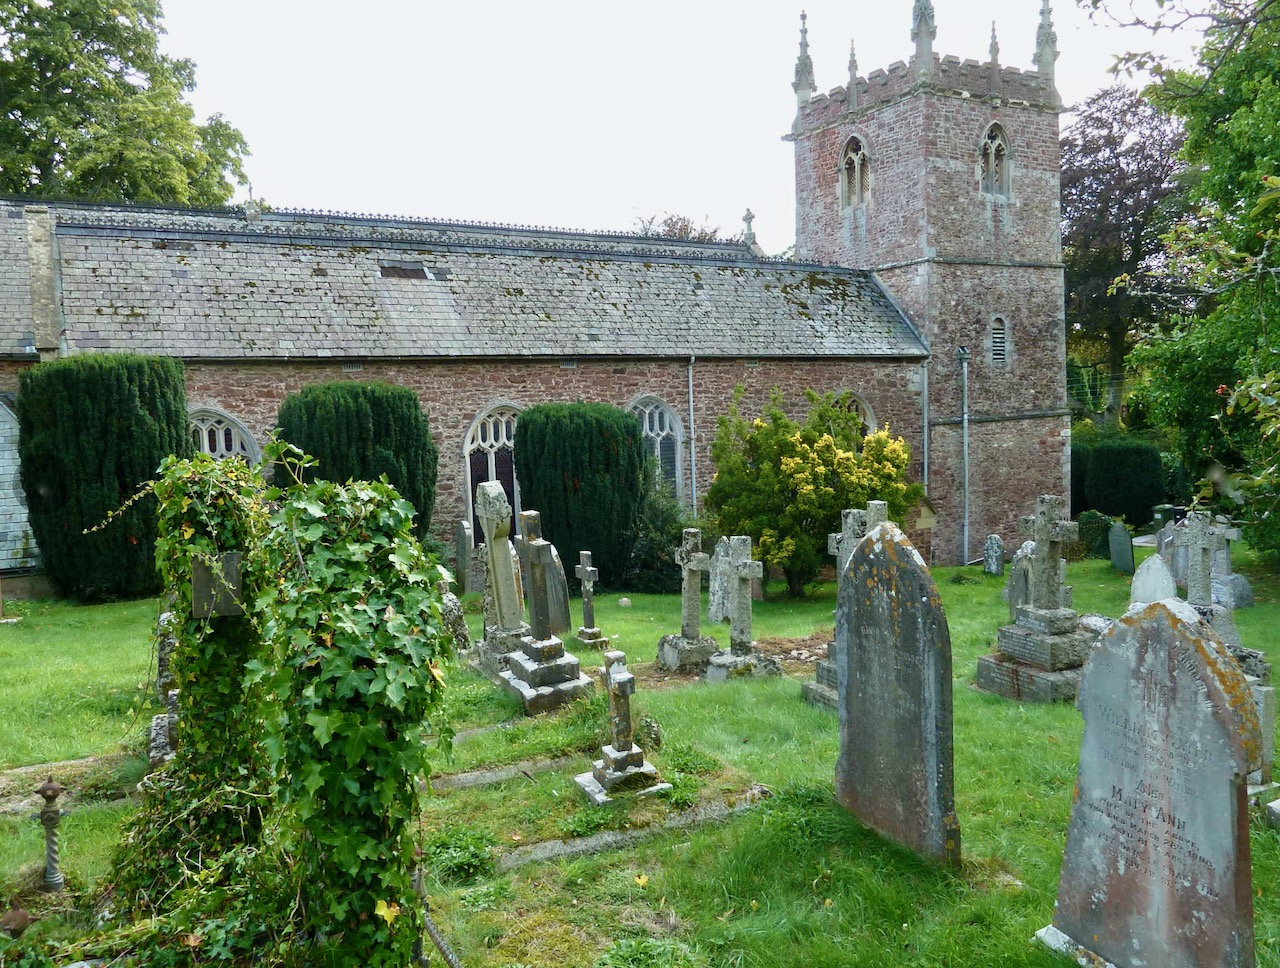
pixel 927 280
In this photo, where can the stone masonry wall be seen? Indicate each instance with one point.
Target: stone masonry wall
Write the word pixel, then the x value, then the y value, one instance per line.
pixel 17 544
pixel 454 394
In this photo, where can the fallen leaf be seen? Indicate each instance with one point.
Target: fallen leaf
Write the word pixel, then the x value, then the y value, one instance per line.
pixel 642 879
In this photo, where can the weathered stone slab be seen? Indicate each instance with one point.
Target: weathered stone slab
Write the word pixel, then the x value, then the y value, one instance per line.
pixel 1047 652
pixel 1232 591
pixel 1152 582
pixel 543 672
pixel 726 664
pixel 1157 866
pixel 679 654
pixel 452 618
pixel 993 555
pixel 1017 587
pixel 895 767
pixel 1024 683
pixel 1047 621
pixel 1121 544
pixel 463 549
pixel 719 598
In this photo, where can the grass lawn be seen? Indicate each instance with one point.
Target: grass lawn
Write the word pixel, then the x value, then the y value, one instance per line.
pixel 792 881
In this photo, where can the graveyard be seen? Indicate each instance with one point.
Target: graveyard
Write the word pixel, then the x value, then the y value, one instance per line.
pixel 746 859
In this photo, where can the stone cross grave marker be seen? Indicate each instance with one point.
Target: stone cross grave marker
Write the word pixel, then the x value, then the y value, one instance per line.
pixel 494 512
pixel 895 766
pixel 589 634
pixel 993 555
pixel 1201 539
pixel 693 561
pixel 535 558
pixel 554 583
pixel 720 597
pixel 840 544
pixel 1157 866
pixel 215 586
pixel 622 765
pixel 744 571
pixel 1050 529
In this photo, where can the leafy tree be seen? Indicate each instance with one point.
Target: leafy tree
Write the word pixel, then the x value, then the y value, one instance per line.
pixel 90 107
pixel 785 483
pixel 582 467
pixel 672 226
pixel 360 431
pixel 1119 174
pixel 92 430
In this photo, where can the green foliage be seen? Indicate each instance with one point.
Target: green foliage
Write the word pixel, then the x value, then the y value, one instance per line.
pixel 458 854
pixel 213 795
pixel 1094 538
pixel 785 483
pixel 1080 457
pixel 89 106
pixel 651 953
pixel 1125 479
pixel 1177 480
pixel 659 531
pixel 356 634
pixel 92 430
pixel 361 431
pixel 582 467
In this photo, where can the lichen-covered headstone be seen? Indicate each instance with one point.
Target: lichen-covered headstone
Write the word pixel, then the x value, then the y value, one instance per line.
pixel 720 586
pixel 1157 868
pixel 1017 587
pixel 452 618
pixel 895 767
pixel 993 555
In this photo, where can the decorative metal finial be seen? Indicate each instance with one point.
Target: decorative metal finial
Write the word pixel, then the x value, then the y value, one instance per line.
pixel 50 816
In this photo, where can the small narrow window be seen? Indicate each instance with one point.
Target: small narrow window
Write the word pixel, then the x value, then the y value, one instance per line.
pixel 999 342
pixel 994 159
pixel 402 270
pixel 855 174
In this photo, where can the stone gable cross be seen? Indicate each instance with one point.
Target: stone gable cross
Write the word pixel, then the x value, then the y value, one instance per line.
pixel 537 556
pixel 1201 539
pixel 620 684
pixel 744 570
pixel 588 576
pixel 693 562
pixel 494 512
pixel 1050 528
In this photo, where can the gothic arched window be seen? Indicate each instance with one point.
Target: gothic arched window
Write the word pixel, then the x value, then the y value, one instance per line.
pixel 490 452
pixel 855 174
pixel 221 435
pixel 993 155
pixel 663 438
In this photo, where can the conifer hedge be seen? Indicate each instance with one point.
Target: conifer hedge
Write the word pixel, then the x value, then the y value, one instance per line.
pixel 92 429
pixel 582 466
pixel 1125 478
pixel 360 431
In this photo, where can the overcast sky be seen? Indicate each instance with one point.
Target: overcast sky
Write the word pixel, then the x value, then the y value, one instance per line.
pixel 563 112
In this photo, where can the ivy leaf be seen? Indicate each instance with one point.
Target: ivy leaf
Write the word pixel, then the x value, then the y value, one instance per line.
pixel 388 912
pixel 323 726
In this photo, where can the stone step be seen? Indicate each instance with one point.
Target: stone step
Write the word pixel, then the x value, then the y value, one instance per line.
pixel 1025 683
pixel 1044 651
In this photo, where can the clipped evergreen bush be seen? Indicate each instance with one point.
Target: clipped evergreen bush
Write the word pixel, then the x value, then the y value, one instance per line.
pixel 1079 472
pixel 360 431
pixel 1125 479
pixel 1094 540
pixel 659 531
pixel 1177 479
pixel 582 466
pixel 92 430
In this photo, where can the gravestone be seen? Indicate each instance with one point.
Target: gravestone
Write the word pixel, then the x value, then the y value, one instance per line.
pixel 993 555
pixel 1152 582
pixel 505 627
pixel 1017 587
pixel 894 771
pixel 622 766
pixel 1157 868
pixel 720 583
pixel 452 618
pixel 557 590
pixel 589 633
pixel 1121 544
pixel 1172 551
pixel 463 546
pixel 166 642
pixel 854 523
pixel 1038 657
pixel 1229 589
pixel 740 659
pixel 541 673
pixel 690 651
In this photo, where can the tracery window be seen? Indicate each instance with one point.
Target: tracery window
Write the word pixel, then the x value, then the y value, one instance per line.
pixel 855 174
pixel 221 435
pixel 490 453
pixel 663 438
pixel 994 158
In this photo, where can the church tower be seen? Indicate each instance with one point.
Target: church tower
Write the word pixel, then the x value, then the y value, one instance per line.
pixel 942 176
